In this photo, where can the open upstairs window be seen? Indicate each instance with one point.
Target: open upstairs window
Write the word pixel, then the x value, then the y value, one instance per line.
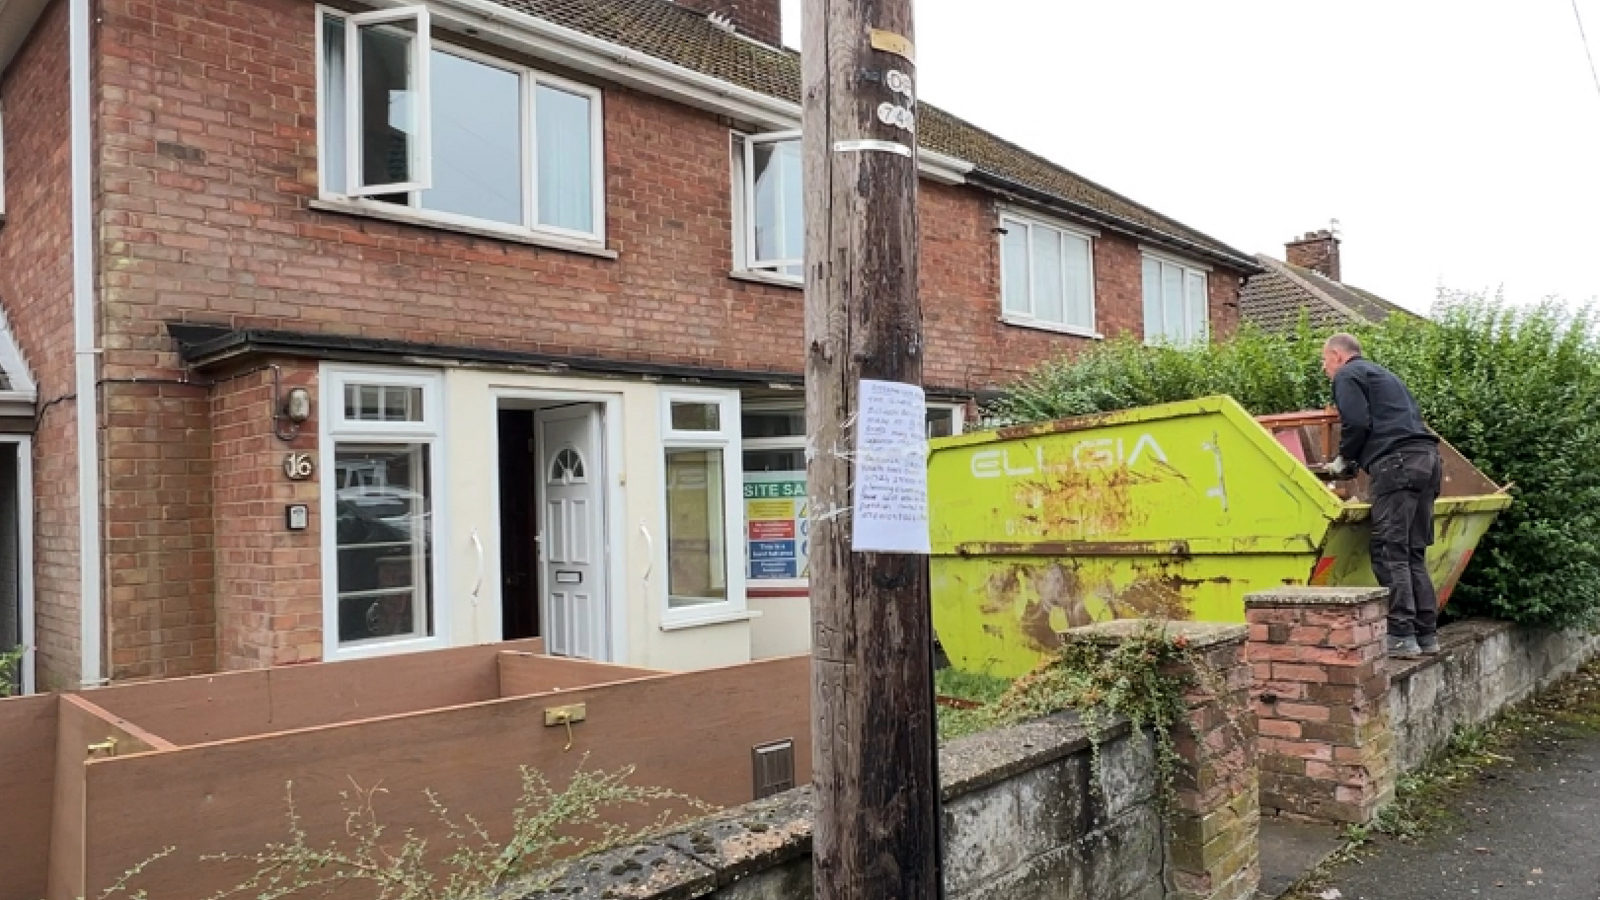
pixel 769 204
pixel 414 126
pixel 387 126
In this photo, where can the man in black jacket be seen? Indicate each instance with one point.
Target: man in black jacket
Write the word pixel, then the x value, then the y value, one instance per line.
pixel 1382 433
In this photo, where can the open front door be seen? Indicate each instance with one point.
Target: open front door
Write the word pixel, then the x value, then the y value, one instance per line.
pixel 571 531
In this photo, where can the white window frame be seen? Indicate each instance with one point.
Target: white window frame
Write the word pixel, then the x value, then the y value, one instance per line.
pixel 1186 268
pixel 956 411
pixel 727 440
pixel 333 429
pixel 411 211
pixel 786 442
pixel 743 154
pixel 958 416
pixel 421 53
pixel 1013 219
pixel 25 537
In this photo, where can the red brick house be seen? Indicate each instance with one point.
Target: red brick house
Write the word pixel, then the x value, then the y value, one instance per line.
pixel 355 328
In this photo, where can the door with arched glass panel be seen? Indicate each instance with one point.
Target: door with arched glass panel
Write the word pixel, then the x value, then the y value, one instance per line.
pixel 571 538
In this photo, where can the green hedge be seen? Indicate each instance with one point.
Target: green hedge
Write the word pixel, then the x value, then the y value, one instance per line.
pixel 1516 390
pixel 11 671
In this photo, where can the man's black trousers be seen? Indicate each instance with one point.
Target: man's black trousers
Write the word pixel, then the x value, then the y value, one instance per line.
pixel 1404 485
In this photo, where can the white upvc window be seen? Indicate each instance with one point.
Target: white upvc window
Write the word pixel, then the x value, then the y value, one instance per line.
pixel 945 419
pixel 381 509
pixel 1047 275
pixel 776 520
pixel 769 205
pixel 448 135
pixel 704 527
pixel 1176 307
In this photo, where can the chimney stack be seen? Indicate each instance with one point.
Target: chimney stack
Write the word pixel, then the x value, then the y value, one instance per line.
pixel 761 20
pixel 1317 251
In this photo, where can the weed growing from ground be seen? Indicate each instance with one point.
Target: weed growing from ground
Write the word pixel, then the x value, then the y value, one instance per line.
pixel 468 863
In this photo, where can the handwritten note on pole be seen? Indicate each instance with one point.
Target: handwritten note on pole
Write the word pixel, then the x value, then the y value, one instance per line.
pixel 891 495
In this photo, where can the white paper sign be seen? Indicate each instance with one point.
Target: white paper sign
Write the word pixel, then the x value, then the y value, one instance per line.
pixel 891 494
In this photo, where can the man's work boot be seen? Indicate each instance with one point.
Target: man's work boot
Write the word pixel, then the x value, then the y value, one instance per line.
pixel 1403 647
pixel 1428 644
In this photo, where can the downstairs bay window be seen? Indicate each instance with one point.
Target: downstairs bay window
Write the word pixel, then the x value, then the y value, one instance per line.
pixel 777 513
pixel 704 524
pixel 409 123
pixel 380 490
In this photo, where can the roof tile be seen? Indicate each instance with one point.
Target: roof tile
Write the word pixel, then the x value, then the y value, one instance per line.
pixel 683 37
pixel 1275 299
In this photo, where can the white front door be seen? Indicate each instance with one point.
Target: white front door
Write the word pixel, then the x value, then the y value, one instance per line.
pixel 571 531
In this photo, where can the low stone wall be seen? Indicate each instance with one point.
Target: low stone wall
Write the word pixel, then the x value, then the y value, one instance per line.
pixel 1027 813
pixel 1023 817
pixel 1483 668
pixel 1020 821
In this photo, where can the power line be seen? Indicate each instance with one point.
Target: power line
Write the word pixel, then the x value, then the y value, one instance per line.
pixel 1593 72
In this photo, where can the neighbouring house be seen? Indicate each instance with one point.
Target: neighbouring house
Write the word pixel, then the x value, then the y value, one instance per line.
pixel 1308 285
pixel 360 328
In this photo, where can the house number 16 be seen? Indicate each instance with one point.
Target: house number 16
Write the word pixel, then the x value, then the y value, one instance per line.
pixel 298 466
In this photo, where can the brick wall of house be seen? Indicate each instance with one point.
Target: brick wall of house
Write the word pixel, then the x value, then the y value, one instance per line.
pixel 36 287
pixel 268 586
pixel 210 163
pixel 968 346
pixel 207 168
pixel 160 565
pixel 1223 288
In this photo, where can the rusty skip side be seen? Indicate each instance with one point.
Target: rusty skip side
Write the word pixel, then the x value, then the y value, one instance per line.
pixel 1173 511
pixel 1179 550
pixel 1076 548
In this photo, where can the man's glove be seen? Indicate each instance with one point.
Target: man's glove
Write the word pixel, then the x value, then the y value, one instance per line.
pixel 1341 468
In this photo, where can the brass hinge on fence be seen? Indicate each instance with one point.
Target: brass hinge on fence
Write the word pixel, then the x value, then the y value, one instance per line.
pixel 107 747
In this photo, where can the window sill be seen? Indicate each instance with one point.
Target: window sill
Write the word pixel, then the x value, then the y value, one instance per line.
pixel 767 278
pixel 1057 329
pixel 513 235
pixel 723 618
pixel 384 648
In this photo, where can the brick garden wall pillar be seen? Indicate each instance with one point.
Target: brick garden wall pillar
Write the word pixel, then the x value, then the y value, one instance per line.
pixel 1321 688
pixel 1212 835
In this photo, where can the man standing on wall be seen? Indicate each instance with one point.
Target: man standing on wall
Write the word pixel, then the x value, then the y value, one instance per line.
pixel 1382 433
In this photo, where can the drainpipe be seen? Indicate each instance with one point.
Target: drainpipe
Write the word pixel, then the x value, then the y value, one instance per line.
pixel 90 608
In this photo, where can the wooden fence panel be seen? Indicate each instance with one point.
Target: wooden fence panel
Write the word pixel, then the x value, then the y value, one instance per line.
pixel 526 673
pixel 206 708
pixel 79 725
pixel 27 794
pixel 692 732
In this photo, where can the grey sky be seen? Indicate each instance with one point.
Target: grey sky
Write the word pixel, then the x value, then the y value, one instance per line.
pixel 1458 143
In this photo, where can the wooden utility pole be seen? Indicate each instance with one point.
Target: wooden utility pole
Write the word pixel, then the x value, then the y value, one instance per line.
pixel 873 741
